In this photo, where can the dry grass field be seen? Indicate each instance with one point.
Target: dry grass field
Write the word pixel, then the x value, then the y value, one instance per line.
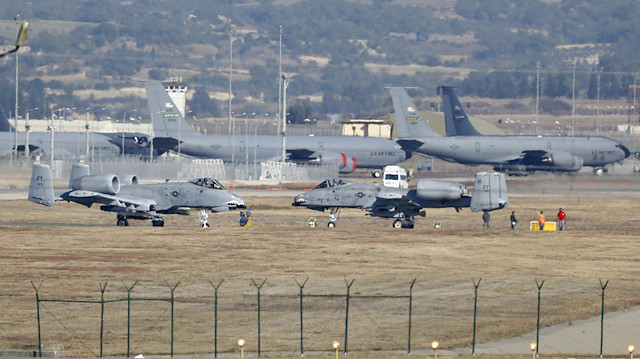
pixel 70 251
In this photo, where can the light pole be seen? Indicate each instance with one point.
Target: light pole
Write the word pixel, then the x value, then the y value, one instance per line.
pixel 280 74
pixel 230 69
pixel 335 346
pixel 241 343
pixel 537 94
pixel 434 346
pixel 26 132
pixel 15 113
pixel 573 101
pixel 285 83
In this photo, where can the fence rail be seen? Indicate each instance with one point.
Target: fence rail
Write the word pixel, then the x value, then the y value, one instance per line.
pixel 372 321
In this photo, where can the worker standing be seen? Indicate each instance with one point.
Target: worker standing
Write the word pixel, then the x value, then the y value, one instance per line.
pixel 561 218
pixel 541 220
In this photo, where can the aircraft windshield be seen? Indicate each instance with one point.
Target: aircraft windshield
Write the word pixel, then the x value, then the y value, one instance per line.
pixel 331 183
pixel 208 183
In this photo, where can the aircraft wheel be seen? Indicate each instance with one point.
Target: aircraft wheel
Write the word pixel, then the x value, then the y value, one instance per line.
pixel 205 225
pixel 157 223
pixel 397 223
pixel 331 224
pixel 122 222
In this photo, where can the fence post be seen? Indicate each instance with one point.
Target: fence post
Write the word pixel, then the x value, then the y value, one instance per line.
pixel 538 323
pixel 129 289
pixel 410 310
pixel 172 305
pixel 102 289
pixel 475 310
pixel 37 289
pixel 346 317
pixel 603 286
pixel 215 317
pixel 258 287
pixel 301 315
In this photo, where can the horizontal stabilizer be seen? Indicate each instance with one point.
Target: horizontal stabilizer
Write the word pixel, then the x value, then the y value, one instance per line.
pixel 41 188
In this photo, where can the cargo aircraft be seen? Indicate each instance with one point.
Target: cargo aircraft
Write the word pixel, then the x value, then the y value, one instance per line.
pixel 173 132
pixel 511 154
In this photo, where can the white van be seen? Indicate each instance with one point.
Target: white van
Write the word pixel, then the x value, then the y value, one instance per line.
pixel 395 176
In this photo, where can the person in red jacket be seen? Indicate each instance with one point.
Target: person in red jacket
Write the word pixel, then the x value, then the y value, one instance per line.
pixel 561 218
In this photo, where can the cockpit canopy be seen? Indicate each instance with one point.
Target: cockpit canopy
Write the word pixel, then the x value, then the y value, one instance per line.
pixel 332 183
pixel 207 182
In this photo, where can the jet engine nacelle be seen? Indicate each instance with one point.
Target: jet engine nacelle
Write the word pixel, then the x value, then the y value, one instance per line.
pixel 109 183
pixel 345 163
pixel 564 161
pixel 128 179
pixel 440 190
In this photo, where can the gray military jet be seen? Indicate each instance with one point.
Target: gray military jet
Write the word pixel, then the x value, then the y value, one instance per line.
pixel 347 152
pixel 490 193
pixel 514 154
pixel 131 200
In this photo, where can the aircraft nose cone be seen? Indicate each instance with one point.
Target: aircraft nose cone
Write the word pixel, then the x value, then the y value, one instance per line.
pixel 235 202
pixel 624 149
pixel 299 200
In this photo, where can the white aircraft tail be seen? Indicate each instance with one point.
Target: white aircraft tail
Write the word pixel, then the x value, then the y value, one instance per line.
pixel 41 188
pixel 489 192
pixel 455 119
pixel 165 116
pixel 409 121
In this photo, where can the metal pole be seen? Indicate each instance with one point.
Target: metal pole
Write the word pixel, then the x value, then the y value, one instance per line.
pixel 102 289
pixel 538 323
pixel 129 289
pixel 258 287
pixel 603 286
pixel 15 114
pixel 301 316
pixel 230 69
pixel 215 317
pixel 346 317
pixel 172 308
pixel 284 118
pixel 537 96
pixel 598 105
pixel 410 311
pixel 573 103
pixel 279 78
pixel 37 289
pixel 26 135
pixel 475 311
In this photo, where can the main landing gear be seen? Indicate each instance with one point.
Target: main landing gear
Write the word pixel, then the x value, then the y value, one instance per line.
pixel 403 223
pixel 123 221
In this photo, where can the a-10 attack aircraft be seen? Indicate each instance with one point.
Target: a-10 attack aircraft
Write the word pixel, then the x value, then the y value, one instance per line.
pixel 513 154
pixel 489 193
pixel 131 200
pixel 348 152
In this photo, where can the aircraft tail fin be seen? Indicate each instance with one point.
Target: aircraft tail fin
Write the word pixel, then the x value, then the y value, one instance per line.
pixel 489 192
pixel 165 116
pixel 456 120
pixel 409 121
pixel 41 188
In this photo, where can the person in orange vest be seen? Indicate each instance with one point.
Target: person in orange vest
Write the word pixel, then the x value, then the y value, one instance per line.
pixel 541 220
pixel 561 218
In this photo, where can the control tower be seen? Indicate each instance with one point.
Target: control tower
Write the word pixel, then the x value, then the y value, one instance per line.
pixel 177 90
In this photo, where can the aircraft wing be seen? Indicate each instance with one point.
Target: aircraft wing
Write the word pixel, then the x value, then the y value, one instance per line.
pixel 392 205
pixel 112 203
